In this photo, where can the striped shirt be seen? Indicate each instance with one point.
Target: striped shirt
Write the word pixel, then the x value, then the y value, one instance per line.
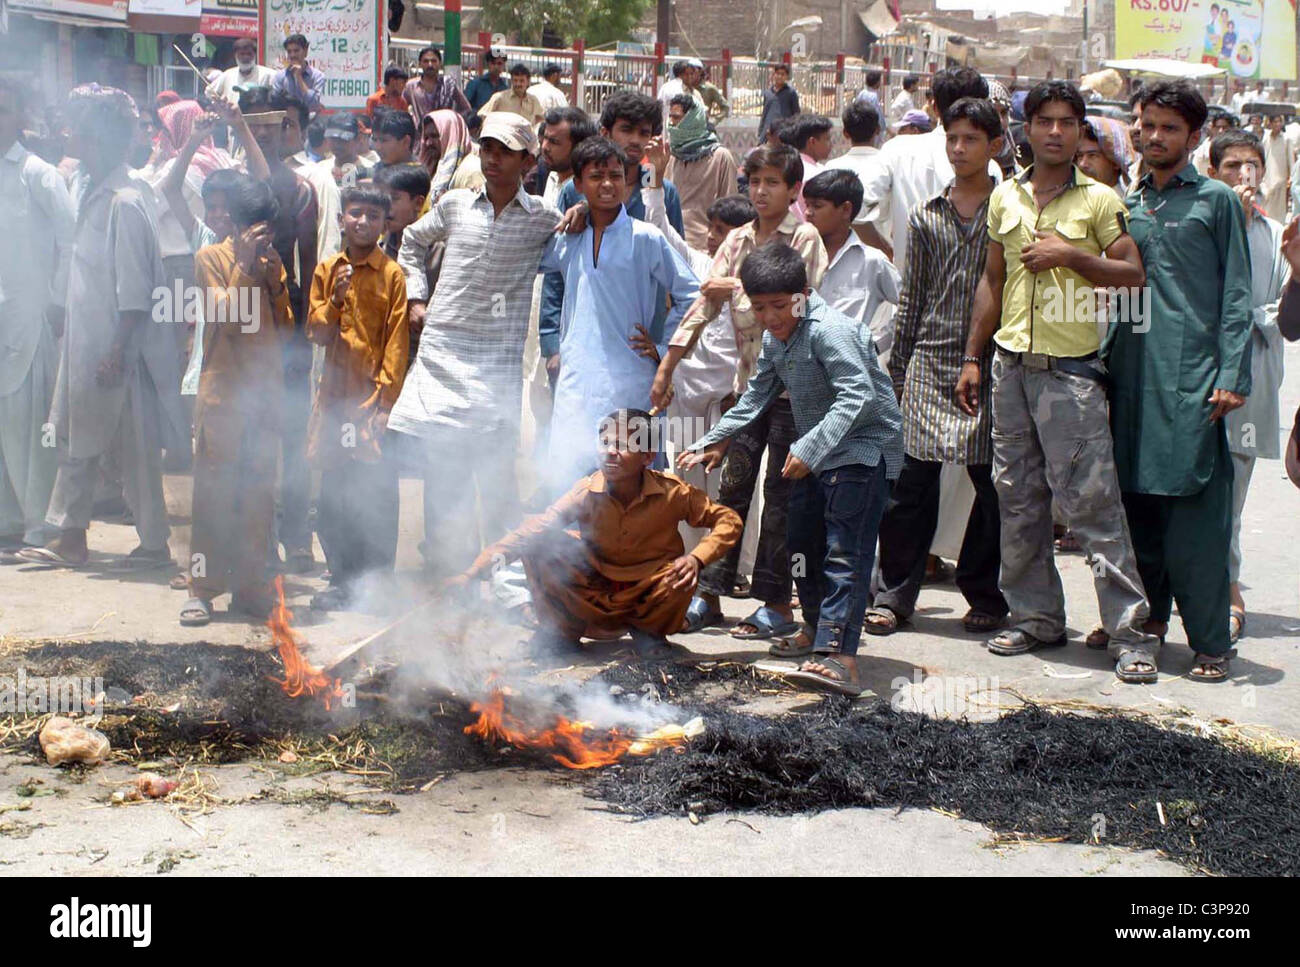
pixel 445 96
pixel 945 257
pixel 467 374
pixel 844 408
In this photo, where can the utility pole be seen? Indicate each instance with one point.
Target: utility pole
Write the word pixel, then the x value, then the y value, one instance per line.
pixel 1083 48
pixel 664 23
pixel 451 39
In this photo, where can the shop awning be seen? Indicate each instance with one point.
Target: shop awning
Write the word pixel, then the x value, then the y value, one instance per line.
pixel 80 13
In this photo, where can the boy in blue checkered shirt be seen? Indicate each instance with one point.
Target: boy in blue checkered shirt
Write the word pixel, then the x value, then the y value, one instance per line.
pixel 849 447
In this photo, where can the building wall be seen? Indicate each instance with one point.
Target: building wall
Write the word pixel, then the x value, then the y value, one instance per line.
pixel 749 27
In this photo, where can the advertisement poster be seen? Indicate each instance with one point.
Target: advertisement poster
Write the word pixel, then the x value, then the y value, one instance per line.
pixel 1250 39
pixel 345 41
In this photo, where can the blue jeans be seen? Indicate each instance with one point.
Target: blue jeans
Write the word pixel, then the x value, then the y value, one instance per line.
pixel 834 517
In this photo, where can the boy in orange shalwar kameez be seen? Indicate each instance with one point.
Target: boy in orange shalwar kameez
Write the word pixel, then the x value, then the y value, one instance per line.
pixel 237 410
pixel 622 563
pixel 358 313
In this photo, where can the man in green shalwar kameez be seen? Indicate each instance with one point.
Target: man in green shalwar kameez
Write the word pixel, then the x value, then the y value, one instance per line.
pixel 1176 371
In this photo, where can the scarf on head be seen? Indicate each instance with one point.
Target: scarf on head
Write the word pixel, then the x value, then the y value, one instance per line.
pixel 177 122
pixel 1112 137
pixel 690 139
pixel 456 147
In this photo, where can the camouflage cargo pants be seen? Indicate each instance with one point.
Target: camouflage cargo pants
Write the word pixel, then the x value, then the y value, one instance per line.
pixel 1051 439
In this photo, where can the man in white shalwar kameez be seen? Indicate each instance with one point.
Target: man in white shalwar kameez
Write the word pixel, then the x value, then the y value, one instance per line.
pixel 1254 428
pixel 114 377
pixel 36 211
pixel 1277 166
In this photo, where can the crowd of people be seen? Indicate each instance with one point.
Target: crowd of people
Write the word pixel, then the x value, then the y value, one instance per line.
pixel 592 337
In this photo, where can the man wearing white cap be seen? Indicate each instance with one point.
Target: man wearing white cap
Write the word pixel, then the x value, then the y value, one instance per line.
pixel 695 81
pixel 462 396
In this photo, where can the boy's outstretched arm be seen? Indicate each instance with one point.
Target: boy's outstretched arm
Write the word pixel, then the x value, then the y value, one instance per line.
pixel 526 535
pixel 764 386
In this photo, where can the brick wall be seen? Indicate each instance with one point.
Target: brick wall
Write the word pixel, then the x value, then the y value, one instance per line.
pixel 707 26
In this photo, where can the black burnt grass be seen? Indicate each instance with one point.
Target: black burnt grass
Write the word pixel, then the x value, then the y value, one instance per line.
pixel 1033 773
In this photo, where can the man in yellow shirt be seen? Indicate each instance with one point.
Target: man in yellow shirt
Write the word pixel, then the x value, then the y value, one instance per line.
pixel 516 98
pixel 1054 233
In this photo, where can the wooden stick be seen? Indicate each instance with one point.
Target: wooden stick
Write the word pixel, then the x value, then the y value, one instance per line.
pixel 352 649
pixel 203 79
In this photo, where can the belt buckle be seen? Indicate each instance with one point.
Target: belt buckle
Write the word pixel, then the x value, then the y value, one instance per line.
pixel 1035 361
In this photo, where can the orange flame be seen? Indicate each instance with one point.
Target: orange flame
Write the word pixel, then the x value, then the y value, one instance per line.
pixel 570 743
pixel 300 678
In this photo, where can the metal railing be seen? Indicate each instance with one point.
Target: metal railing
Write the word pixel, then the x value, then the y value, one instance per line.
pixel 824 87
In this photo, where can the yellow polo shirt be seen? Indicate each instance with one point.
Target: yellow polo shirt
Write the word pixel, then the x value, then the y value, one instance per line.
pixel 1052 312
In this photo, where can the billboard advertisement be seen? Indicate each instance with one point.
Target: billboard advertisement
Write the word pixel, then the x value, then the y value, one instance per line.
pixel 345 41
pixel 1248 38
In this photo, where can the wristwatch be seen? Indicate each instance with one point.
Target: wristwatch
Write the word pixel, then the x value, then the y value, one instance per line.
pixel 971 359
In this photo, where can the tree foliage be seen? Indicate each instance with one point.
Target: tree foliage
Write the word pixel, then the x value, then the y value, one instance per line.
pixel 595 21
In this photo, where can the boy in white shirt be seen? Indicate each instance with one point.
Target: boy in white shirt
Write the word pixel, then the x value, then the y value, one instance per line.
pixel 859 281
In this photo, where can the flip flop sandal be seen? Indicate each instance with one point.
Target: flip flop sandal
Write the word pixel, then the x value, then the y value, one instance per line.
pixel 740 589
pixel 48 557
pixel 195 613
pixel 179 582
pixel 980 621
pixel 1126 669
pixel 1216 667
pixel 699 617
pixel 791 648
pixel 1236 623
pixel 825 683
pixel 1017 641
pixel 889 625
pixel 10 555
pixel 765 621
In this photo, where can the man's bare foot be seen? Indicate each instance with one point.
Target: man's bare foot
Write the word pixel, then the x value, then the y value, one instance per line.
pixel 71 546
pixel 1098 638
pixel 840 668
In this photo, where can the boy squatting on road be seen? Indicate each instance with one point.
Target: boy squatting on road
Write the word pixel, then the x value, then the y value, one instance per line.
pixel 624 564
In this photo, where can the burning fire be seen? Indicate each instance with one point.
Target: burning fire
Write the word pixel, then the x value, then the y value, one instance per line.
pixel 575 745
pixel 300 678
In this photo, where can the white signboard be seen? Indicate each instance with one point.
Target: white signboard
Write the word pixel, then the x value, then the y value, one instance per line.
pixel 344 42
pixel 167 8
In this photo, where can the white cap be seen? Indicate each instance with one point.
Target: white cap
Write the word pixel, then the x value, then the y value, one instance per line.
pixel 510 129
